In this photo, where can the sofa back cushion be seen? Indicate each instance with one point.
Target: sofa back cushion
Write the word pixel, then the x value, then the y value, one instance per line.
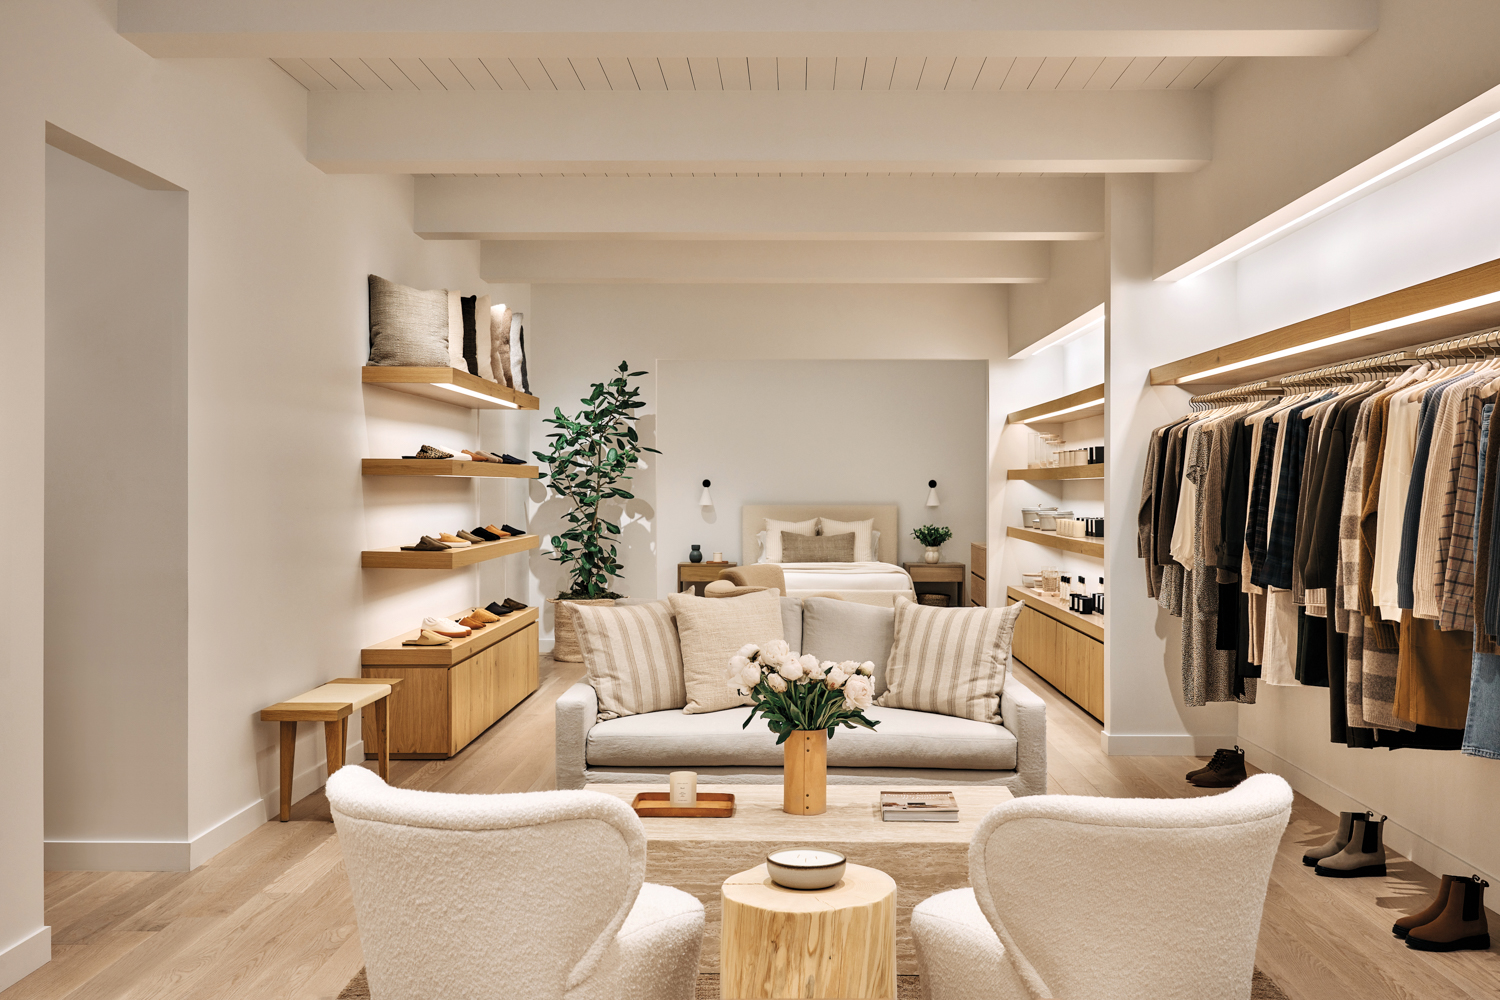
pixel 791 620
pixel 953 661
pixel 631 657
pixel 847 630
pixel 711 631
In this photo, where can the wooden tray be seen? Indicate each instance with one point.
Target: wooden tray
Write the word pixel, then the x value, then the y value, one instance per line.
pixel 710 804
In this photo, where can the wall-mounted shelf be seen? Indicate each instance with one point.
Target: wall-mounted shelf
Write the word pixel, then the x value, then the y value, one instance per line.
pixel 396 558
pixel 456 467
pixel 449 385
pixel 1074 406
pixel 391 653
pixel 1095 471
pixel 1057 609
pixel 1082 546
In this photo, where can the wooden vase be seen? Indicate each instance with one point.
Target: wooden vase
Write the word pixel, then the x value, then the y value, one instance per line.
pixel 804 787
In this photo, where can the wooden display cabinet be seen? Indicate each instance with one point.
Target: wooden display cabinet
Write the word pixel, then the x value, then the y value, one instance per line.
pixel 1064 649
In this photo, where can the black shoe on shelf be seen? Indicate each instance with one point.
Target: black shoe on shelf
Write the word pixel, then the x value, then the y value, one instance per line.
pixel 511 604
pixel 496 608
pixel 511 460
pixel 485 534
pixel 515 532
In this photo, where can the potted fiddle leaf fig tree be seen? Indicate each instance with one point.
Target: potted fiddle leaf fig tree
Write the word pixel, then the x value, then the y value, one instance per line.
pixel 590 458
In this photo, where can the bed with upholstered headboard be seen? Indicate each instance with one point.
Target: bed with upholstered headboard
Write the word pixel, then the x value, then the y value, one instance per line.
pixel 879 580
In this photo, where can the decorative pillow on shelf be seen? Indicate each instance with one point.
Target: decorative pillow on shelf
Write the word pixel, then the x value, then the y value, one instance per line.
pixel 470 333
pixel 952 661
pixel 863 547
pixel 631 657
pixel 482 355
pixel 500 318
pixel 408 327
pixel 773 535
pixel 797 548
pixel 711 630
pixel 519 378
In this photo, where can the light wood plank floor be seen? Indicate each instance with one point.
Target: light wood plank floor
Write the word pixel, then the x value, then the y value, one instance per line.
pixel 271 917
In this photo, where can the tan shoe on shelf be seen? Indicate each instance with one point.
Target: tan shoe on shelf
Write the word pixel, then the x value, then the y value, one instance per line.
pixel 453 541
pixel 482 615
pixel 426 638
pixel 496 531
pixel 472 622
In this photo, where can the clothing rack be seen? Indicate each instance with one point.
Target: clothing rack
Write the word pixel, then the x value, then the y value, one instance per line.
pixel 1264 389
pixel 1478 345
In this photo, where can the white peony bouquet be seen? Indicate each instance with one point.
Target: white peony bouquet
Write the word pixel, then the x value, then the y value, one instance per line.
pixel 794 692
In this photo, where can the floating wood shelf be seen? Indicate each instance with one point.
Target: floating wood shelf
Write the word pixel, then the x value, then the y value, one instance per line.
pixel 1095 471
pixel 1074 406
pixel 396 558
pixel 391 653
pixel 455 467
pixel 1057 609
pixel 449 385
pixel 1265 350
pixel 1082 546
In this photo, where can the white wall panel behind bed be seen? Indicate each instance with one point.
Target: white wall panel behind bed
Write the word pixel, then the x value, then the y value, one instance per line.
pixel 817 432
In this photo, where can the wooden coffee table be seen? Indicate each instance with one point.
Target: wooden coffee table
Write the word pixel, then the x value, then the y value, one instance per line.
pixel 697 855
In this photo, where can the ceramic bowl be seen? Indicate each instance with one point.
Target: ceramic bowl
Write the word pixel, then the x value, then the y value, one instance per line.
pixel 805 868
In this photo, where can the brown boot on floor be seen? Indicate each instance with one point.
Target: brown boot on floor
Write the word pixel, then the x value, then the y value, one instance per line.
pixel 1429 913
pixel 1228 772
pixel 1216 760
pixel 1462 926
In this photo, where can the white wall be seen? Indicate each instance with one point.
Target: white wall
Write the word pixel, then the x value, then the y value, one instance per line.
pixel 1078 280
pixel 277 417
pixel 818 432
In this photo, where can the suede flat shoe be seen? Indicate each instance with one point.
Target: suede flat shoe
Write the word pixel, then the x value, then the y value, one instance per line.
pixel 427 544
pixel 485 616
pixel 469 536
pixel 445 626
pixel 513 531
pixel 453 541
pixel 428 451
pixel 498 610
pixel 478 456
pixel 426 638
pixel 485 534
pixel 472 623
pixel 511 604
pixel 511 460
pixel 498 532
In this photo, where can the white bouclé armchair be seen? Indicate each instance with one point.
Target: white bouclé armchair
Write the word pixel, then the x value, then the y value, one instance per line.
pixel 1092 898
pixel 497 897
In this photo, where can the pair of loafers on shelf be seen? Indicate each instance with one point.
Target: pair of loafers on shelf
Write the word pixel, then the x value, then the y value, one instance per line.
pixel 428 451
pixel 445 541
pixel 441 631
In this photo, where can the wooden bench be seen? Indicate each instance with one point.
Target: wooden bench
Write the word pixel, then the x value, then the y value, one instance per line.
pixel 332 704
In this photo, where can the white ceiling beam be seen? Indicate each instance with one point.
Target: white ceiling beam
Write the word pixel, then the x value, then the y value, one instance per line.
pixel 730 262
pixel 835 131
pixel 453 28
pixel 760 208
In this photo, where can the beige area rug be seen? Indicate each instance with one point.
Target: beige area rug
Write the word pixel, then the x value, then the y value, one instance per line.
pixel 1262 987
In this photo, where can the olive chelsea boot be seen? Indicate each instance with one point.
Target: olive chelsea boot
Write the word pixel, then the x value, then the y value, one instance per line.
pixel 1363 856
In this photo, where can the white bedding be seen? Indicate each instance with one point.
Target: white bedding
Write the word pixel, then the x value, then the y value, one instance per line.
pixel 866 582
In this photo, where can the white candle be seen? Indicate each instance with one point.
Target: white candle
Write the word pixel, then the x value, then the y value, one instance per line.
pixel 684 789
pixel 718 557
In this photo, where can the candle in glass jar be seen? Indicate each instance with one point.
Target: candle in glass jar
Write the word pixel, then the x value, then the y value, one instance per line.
pixel 684 789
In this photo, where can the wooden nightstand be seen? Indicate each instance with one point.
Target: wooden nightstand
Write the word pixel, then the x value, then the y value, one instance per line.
pixel 939 577
pixel 699 575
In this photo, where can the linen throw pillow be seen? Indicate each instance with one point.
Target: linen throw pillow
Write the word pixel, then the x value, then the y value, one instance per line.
pixel 864 548
pixel 482 337
pixel 797 548
pixel 712 630
pixel 773 535
pixel 471 333
pixel 952 661
pixel 408 326
pixel 631 657
pixel 519 379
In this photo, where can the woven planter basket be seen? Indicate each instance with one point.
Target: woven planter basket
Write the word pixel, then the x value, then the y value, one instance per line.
pixel 564 633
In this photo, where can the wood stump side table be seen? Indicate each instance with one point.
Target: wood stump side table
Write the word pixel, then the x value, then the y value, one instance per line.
pixel 836 942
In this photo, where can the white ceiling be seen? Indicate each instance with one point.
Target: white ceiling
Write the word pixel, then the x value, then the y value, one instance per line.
pixel 760 73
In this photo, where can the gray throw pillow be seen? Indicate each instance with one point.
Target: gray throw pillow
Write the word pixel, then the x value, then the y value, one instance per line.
pixel 797 548
pixel 847 630
pixel 408 327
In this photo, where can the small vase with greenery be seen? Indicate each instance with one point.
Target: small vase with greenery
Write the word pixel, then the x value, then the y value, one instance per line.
pixel 591 455
pixel 933 537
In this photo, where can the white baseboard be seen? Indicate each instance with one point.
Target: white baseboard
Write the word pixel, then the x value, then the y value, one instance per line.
pixel 25 956
pixel 184 855
pixel 1403 840
pixel 545 645
pixel 1163 744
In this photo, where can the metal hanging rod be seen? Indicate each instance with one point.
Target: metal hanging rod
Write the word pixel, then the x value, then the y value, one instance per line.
pixel 1393 363
pixel 1264 389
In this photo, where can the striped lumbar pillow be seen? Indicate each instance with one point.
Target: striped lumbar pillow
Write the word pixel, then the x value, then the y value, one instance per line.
pixel 952 661
pixel 631 657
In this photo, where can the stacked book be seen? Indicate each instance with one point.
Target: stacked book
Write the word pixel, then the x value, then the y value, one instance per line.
pixel 918 807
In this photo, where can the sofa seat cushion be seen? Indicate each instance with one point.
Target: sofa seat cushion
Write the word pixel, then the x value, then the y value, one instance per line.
pixel 905 739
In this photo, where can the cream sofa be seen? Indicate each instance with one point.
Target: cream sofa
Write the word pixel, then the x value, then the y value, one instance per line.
pixel 913 748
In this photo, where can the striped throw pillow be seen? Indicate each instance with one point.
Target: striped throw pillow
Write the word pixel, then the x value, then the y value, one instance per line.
pixel 952 661
pixel 631 657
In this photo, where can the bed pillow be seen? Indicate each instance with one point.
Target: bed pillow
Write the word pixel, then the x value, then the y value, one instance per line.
pixel 773 535
pixel 500 318
pixel 631 657
pixel 711 630
pixel 861 529
pixel 797 548
pixel 847 630
pixel 408 327
pixel 874 545
pixel 952 661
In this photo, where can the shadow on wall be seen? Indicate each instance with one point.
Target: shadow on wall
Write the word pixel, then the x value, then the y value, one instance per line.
pixel 636 542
